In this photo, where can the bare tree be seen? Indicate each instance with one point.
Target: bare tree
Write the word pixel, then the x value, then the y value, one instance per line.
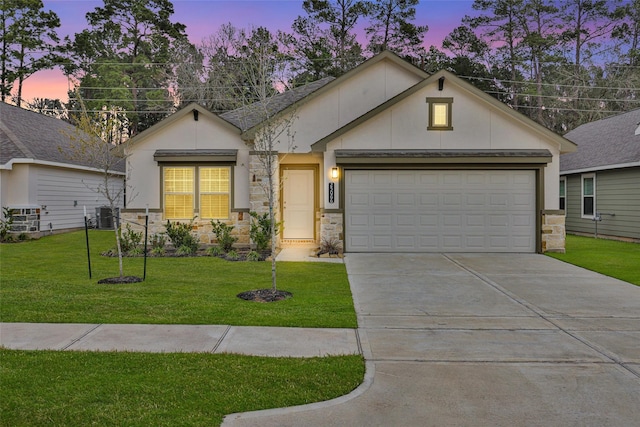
pixel 257 68
pixel 89 145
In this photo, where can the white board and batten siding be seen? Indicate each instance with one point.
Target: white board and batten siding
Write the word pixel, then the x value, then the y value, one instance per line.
pixel 440 211
pixel 65 193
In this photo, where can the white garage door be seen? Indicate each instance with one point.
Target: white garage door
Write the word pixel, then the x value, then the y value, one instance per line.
pixel 440 211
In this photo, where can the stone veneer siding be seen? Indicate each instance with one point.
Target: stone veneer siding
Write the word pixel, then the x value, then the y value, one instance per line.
pixel 25 220
pixel 331 227
pixel 258 186
pixel 201 227
pixel 553 231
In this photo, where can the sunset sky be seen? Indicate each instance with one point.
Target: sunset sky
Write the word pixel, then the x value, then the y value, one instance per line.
pixel 204 17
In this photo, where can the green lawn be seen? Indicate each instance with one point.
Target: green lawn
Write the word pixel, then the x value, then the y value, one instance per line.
pixel 612 258
pixel 47 281
pixel 48 388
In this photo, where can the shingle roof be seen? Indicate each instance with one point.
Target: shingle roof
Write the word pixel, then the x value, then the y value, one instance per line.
pixel 247 117
pixel 25 134
pixel 606 142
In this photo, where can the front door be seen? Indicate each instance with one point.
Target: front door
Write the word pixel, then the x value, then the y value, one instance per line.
pixel 298 203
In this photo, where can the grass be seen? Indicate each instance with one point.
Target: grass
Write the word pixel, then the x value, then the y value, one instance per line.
pixel 141 389
pixel 47 281
pixel 612 258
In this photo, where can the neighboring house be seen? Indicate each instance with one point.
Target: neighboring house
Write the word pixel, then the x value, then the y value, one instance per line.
pixel 46 190
pixel 387 159
pixel 600 183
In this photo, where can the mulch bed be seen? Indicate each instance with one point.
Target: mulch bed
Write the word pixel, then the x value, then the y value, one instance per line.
pixel 265 295
pixel 119 280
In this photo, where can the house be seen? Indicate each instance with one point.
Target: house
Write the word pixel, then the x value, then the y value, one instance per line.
pixel 46 190
pixel 600 183
pixel 385 158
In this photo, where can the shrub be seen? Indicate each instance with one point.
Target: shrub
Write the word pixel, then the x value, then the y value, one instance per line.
pixel 330 246
pixel 215 251
pixel 158 251
pixel 233 255
pixel 158 240
pixel 22 237
pixel 254 256
pixel 260 230
pixel 129 240
pixel 185 250
pixel 5 224
pixel 223 235
pixel 180 235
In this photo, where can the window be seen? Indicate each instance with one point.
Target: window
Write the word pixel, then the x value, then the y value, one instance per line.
pixel 563 193
pixel 178 192
pixel 214 193
pixel 588 195
pixel 196 190
pixel 440 113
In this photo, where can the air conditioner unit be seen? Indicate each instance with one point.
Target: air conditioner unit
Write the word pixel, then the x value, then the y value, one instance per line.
pixel 104 219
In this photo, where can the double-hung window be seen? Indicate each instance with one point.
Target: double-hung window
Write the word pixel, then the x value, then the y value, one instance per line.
pixel 204 191
pixel 588 195
pixel 179 187
pixel 214 192
pixel 563 193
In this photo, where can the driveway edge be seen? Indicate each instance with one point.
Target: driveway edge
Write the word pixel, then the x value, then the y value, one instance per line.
pixel 370 370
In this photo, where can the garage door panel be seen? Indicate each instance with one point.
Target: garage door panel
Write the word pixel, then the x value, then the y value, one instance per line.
pixel 381 220
pixel 430 211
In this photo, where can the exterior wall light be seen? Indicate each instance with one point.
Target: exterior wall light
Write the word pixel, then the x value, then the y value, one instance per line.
pixel 335 173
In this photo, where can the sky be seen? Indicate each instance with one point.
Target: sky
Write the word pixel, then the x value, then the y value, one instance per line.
pixel 204 17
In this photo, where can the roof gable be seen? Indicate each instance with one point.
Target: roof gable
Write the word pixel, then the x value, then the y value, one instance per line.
pixel 198 112
pixel 449 78
pixel 297 97
pixel 613 141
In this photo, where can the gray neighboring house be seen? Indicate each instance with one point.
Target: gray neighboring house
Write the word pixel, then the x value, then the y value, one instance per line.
pixel 46 190
pixel 600 182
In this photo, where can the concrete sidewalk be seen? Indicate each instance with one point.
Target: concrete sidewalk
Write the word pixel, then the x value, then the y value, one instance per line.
pixel 259 341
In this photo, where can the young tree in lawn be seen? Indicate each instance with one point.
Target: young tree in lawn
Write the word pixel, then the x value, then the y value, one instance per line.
pixel 28 36
pixel 92 143
pixel 255 68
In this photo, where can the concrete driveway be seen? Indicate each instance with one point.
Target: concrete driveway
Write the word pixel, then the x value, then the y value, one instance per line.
pixel 484 340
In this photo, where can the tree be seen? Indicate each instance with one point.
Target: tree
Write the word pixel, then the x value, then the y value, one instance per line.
pixel 209 73
pixel 29 42
pixel 48 107
pixel 500 27
pixel 253 67
pixel 122 59
pixel 327 33
pixel 390 28
pixel 627 31
pixel 89 147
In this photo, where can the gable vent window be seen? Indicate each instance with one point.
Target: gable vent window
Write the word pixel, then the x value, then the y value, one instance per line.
pixel 440 113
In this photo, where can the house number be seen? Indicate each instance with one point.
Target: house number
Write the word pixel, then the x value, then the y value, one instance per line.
pixel 331 192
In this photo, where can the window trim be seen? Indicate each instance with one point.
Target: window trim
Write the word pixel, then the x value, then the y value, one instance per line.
pixel 563 184
pixel 196 186
pixel 432 102
pixel 583 177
